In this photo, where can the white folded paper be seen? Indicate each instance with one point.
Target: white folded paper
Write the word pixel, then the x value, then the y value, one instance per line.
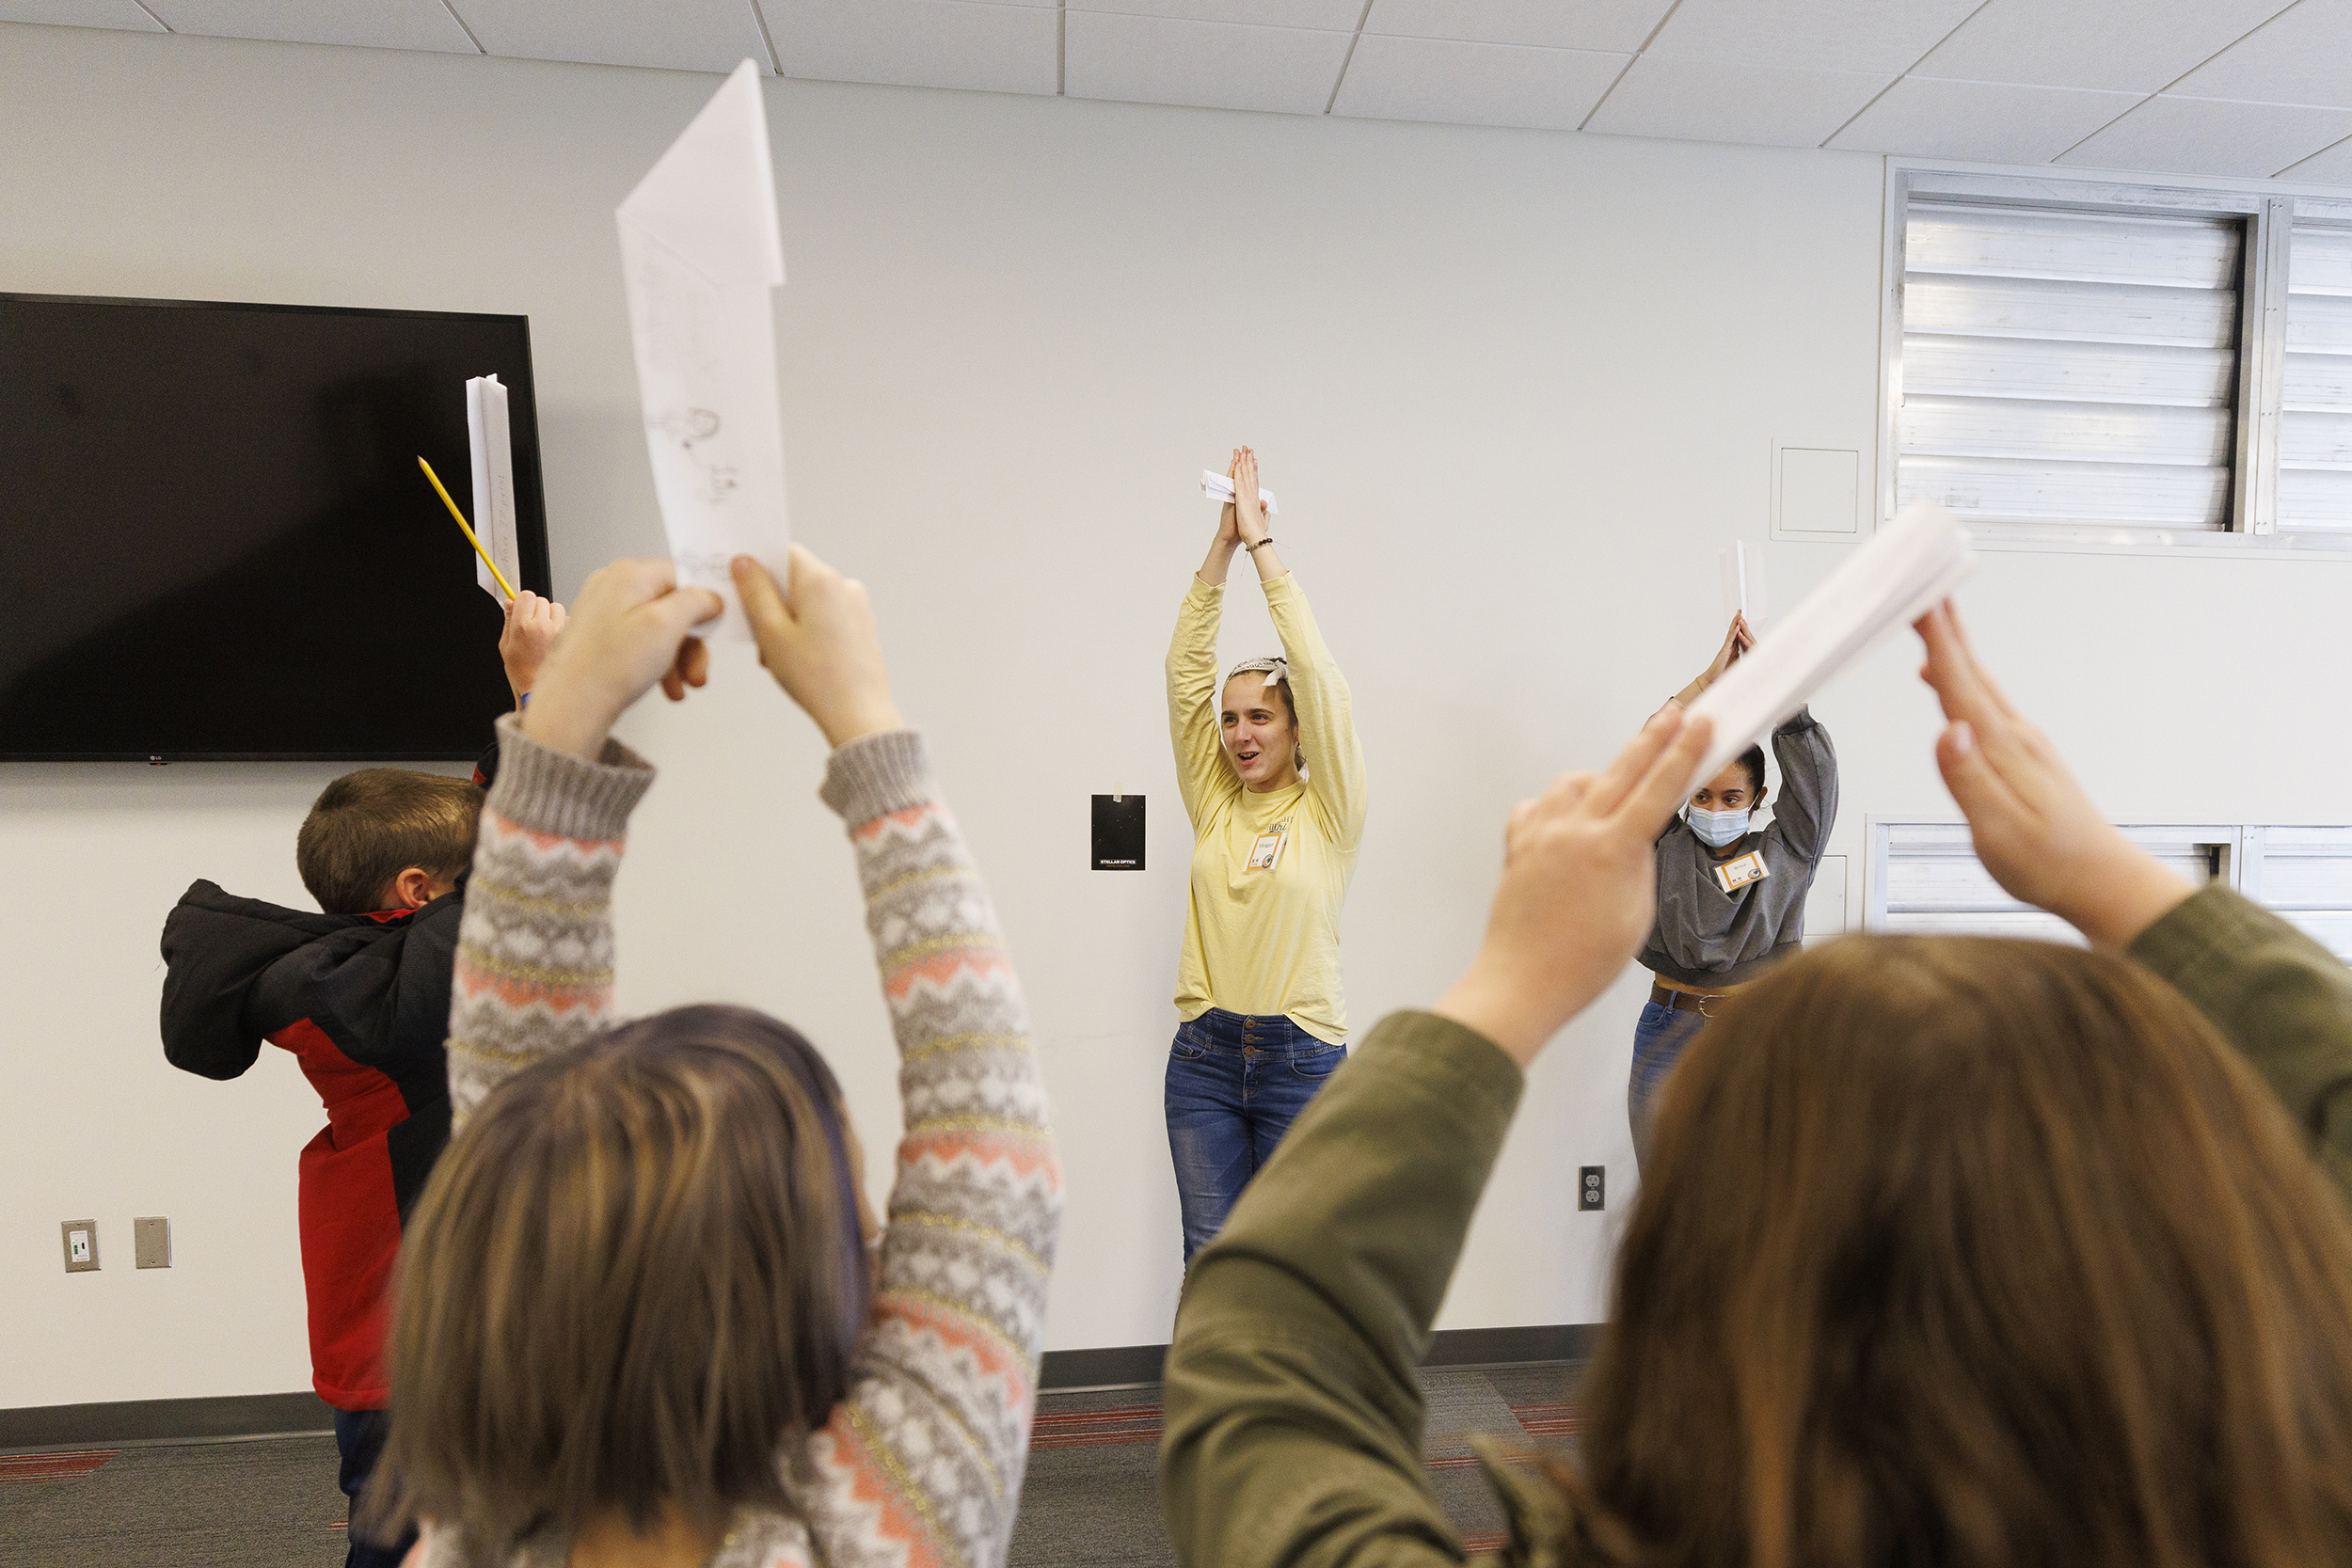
pixel 493 444
pixel 1743 582
pixel 1891 581
pixel 700 250
pixel 1219 489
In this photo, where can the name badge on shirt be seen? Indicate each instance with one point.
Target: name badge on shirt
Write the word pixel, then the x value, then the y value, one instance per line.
pixel 1737 872
pixel 1267 851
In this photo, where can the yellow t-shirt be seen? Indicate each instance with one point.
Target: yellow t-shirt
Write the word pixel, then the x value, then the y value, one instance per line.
pixel 1261 940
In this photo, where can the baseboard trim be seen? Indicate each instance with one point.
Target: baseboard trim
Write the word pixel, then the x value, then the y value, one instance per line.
pixel 193 1421
pixel 230 1416
pixel 1136 1365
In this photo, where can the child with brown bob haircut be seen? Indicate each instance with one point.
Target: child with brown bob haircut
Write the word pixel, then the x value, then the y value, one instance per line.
pixel 1949 1251
pixel 635 1323
pixel 358 994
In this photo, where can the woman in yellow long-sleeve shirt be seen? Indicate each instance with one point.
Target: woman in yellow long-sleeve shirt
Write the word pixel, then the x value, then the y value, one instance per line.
pixel 1273 780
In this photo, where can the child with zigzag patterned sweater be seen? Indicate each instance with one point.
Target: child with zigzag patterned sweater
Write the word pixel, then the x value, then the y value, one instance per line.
pixel 637 1321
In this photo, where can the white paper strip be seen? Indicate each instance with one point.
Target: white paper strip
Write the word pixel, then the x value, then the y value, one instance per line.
pixel 493 444
pixel 1886 585
pixel 700 250
pixel 1743 582
pixel 1219 489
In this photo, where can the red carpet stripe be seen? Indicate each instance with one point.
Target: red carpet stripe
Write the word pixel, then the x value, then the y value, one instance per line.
pixel 53 1466
pixel 1086 1428
pixel 1548 1420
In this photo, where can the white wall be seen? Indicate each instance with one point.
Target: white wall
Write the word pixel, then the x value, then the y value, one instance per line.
pixel 1513 388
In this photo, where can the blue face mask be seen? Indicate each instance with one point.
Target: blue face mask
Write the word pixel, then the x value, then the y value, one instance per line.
pixel 1717 828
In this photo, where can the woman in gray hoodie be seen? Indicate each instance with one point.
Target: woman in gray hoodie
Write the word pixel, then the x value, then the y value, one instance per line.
pixel 1730 895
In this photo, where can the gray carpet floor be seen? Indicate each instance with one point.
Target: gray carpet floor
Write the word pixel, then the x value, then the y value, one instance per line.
pixel 1089 1500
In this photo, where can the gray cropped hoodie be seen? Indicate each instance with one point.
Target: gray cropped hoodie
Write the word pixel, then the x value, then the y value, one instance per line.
pixel 1706 937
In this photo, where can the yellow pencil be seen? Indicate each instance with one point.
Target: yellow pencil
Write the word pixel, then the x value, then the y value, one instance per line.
pixel 462 523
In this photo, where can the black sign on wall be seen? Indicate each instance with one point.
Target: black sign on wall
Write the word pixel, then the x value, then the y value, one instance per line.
pixel 1119 832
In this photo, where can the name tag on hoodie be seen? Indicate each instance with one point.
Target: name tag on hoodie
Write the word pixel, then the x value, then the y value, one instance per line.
pixel 1736 874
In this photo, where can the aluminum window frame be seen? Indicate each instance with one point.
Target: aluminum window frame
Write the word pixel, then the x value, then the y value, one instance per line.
pixel 2270 213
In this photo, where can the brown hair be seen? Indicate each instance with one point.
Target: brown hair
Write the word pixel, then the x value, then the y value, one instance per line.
pixel 1959 1251
pixel 635 1274
pixel 367 827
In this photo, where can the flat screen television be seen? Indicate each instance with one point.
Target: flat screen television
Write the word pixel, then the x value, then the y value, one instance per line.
pixel 215 543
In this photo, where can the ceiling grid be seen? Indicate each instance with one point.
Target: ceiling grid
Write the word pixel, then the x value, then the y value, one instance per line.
pixel 2250 87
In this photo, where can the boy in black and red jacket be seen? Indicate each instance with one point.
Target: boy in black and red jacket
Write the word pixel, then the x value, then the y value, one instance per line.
pixel 359 994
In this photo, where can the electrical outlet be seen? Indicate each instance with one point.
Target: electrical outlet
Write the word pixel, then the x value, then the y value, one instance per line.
pixel 81 1244
pixel 150 1242
pixel 1592 1187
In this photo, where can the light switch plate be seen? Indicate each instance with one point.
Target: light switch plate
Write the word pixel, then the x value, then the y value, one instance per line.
pixel 150 1242
pixel 81 1244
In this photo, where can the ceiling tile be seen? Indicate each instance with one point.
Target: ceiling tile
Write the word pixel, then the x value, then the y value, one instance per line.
pixel 1884 36
pixel 372 24
pixel 1336 16
pixel 1212 64
pixel 1985 122
pixel 677 35
pixel 2332 167
pixel 2304 57
pixel 1705 101
pixel 2113 45
pixel 918 44
pixel 1475 83
pixel 1621 25
pixel 121 15
pixel 2203 135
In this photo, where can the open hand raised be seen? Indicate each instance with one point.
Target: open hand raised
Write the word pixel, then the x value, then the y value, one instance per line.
pixel 1579 889
pixel 2035 829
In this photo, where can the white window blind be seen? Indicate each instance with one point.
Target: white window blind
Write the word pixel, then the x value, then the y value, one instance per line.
pixel 2064 367
pixel 2316 418
pixel 2306 875
pixel 1926 879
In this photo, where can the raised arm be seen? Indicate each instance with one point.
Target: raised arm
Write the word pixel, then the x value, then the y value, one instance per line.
pixel 923 1462
pixel 1202 775
pixel 534 951
pixel 1327 714
pixel 1807 807
pixel 1737 640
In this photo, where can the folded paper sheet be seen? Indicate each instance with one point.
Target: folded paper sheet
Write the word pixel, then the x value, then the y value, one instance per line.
pixel 700 250
pixel 493 445
pixel 1891 581
pixel 1219 489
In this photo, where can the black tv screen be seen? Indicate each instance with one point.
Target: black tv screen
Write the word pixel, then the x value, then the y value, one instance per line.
pixel 215 543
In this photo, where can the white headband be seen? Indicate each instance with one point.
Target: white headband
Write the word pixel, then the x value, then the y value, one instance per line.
pixel 1277 671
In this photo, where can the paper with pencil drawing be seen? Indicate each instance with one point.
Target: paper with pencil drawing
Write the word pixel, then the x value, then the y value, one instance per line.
pixel 700 250
pixel 1891 581
pixel 1217 487
pixel 493 444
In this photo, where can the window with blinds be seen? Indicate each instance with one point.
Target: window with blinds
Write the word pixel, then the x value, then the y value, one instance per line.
pixel 2316 419
pixel 1925 878
pixel 2068 367
pixel 2306 875
pixel 2088 363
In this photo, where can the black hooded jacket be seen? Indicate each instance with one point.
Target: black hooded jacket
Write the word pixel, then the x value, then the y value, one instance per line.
pixel 362 1002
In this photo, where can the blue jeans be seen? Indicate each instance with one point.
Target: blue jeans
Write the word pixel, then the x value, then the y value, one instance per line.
pixel 1234 1085
pixel 359 1437
pixel 1658 1041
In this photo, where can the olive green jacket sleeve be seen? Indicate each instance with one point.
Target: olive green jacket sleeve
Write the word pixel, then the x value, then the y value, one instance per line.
pixel 2280 998
pixel 1293 1416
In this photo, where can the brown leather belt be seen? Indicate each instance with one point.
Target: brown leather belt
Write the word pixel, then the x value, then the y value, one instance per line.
pixel 1686 1001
